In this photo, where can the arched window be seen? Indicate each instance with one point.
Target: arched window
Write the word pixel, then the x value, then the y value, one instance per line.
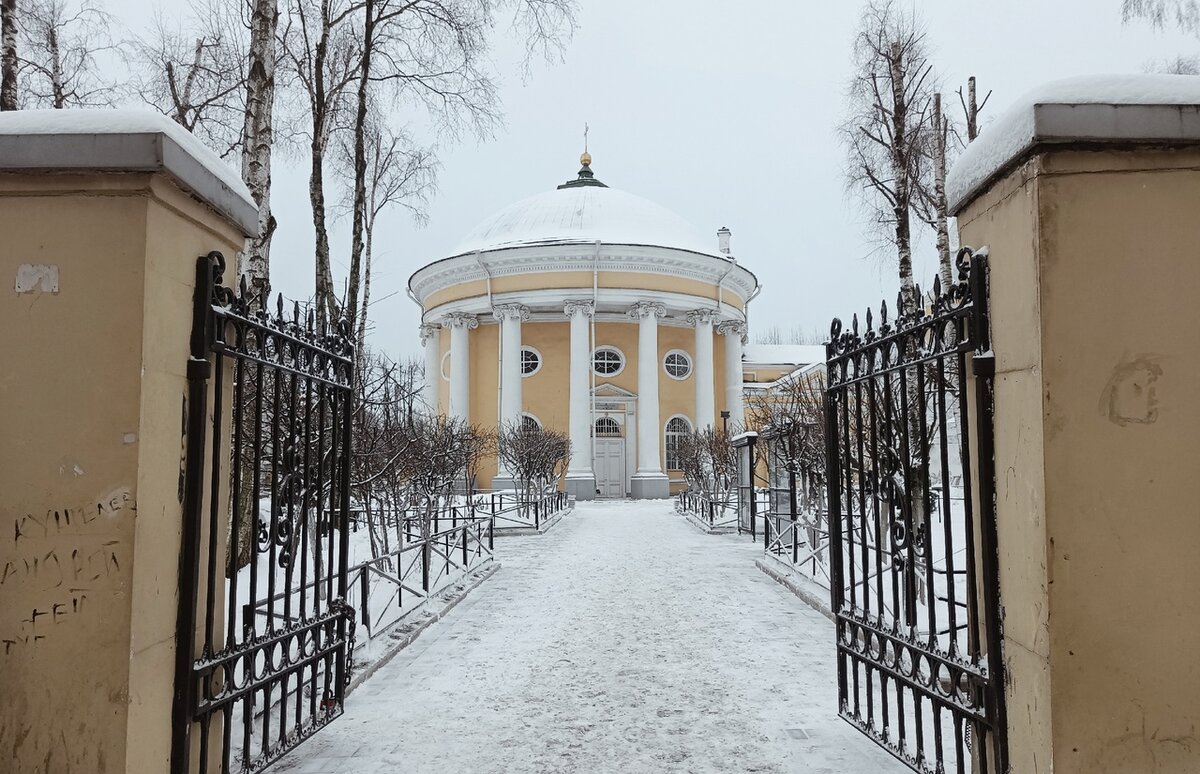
pixel 530 422
pixel 531 361
pixel 607 427
pixel 677 428
pixel 608 361
pixel 677 364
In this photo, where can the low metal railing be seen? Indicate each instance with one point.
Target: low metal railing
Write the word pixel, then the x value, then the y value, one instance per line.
pixel 384 589
pixel 514 510
pixel 719 510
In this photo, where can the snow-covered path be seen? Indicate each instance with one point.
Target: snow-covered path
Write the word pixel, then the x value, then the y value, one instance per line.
pixel 621 641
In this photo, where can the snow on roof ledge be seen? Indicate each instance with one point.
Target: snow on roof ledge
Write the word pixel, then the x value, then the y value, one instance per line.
pixel 1088 109
pixel 124 141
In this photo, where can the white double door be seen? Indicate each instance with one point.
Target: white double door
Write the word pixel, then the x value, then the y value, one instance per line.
pixel 610 467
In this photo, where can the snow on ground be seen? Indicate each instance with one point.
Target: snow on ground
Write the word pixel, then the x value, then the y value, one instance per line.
pixel 622 641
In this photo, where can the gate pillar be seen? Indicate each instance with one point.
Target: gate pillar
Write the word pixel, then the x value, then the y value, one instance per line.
pixel 1087 196
pixel 102 216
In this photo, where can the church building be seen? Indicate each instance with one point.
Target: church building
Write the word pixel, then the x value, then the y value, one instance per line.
pixel 594 312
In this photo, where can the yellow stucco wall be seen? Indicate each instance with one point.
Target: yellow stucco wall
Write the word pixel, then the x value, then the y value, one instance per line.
pixel 580 282
pixel 546 393
pixel 92 428
pixel 1094 320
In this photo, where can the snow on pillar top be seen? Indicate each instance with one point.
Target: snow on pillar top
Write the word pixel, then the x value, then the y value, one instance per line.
pixel 124 141
pixel 1094 109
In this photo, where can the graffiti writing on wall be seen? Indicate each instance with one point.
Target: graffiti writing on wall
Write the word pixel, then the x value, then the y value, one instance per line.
pixel 55 560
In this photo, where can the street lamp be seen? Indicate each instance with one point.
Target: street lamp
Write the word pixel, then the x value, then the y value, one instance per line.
pixel 725 422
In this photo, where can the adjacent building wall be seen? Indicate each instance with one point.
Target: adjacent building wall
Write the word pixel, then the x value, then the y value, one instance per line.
pixel 97 314
pixel 1096 329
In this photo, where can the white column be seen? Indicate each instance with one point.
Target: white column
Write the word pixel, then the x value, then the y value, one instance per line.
pixel 581 478
pixel 510 317
pixel 431 340
pixel 460 363
pixel 734 332
pixel 706 407
pixel 648 481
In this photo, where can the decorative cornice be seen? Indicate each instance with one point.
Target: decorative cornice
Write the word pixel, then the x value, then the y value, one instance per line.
pixel 428 332
pixel 532 259
pixel 643 309
pixel 511 312
pixel 460 320
pixel 574 306
pixel 702 316
pixel 732 328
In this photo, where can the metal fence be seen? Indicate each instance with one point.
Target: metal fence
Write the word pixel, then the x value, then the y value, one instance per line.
pixel 913 567
pixel 264 629
pixel 715 511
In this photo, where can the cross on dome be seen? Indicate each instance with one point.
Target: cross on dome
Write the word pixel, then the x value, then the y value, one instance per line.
pixel 586 176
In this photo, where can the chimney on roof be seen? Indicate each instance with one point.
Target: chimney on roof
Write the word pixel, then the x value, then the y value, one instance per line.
pixel 723 235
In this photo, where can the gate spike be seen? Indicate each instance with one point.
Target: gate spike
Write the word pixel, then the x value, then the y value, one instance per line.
pixel 242 287
pixel 883 313
pixel 296 312
pixel 854 324
pixel 870 327
pixel 899 304
pixel 279 306
pixel 937 287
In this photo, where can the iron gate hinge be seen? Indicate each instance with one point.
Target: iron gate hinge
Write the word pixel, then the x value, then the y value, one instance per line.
pixel 198 368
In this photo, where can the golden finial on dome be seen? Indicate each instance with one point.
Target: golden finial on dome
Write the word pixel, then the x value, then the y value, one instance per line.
pixel 586 158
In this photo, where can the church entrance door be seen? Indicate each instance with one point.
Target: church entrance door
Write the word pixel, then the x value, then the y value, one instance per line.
pixel 610 467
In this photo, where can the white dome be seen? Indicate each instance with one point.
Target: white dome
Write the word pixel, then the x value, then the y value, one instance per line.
pixel 585 214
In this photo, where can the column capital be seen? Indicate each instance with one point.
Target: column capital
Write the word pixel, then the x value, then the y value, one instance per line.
pixel 429 331
pixel 644 309
pixel 460 320
pixel 574 306
pixel 698 316
pixel 732 328
pixel 510 312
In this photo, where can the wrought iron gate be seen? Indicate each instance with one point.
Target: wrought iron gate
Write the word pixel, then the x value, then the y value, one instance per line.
pixel 264 631
pixel 914 581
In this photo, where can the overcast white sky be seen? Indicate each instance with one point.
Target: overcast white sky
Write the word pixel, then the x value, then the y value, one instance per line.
pixel 724 112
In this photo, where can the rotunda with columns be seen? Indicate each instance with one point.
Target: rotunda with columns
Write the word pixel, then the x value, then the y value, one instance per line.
pixel 594 312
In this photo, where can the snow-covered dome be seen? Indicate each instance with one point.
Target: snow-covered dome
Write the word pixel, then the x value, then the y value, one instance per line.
pixel 582 211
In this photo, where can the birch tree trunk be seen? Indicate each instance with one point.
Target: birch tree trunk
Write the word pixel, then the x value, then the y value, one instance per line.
pixel 972 111
pixel 939 192
pixel 58 99
pixel 360 166
pixel 8 57
pixel 258 139
pixel 326 303
pixel 900 174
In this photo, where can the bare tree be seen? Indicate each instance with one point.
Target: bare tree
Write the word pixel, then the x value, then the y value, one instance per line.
pixel 972 108
pixel 1178 65
pixel 58 59
pixel 399 173
pixel 792 416
pixel 1183 13
pixel 708 462
pixel 435 55
pixel 886 132
pixel 8 55
pixel 258 136
pixel 193 72
pixel 774 334
pixel 322 53
pixel 536 457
